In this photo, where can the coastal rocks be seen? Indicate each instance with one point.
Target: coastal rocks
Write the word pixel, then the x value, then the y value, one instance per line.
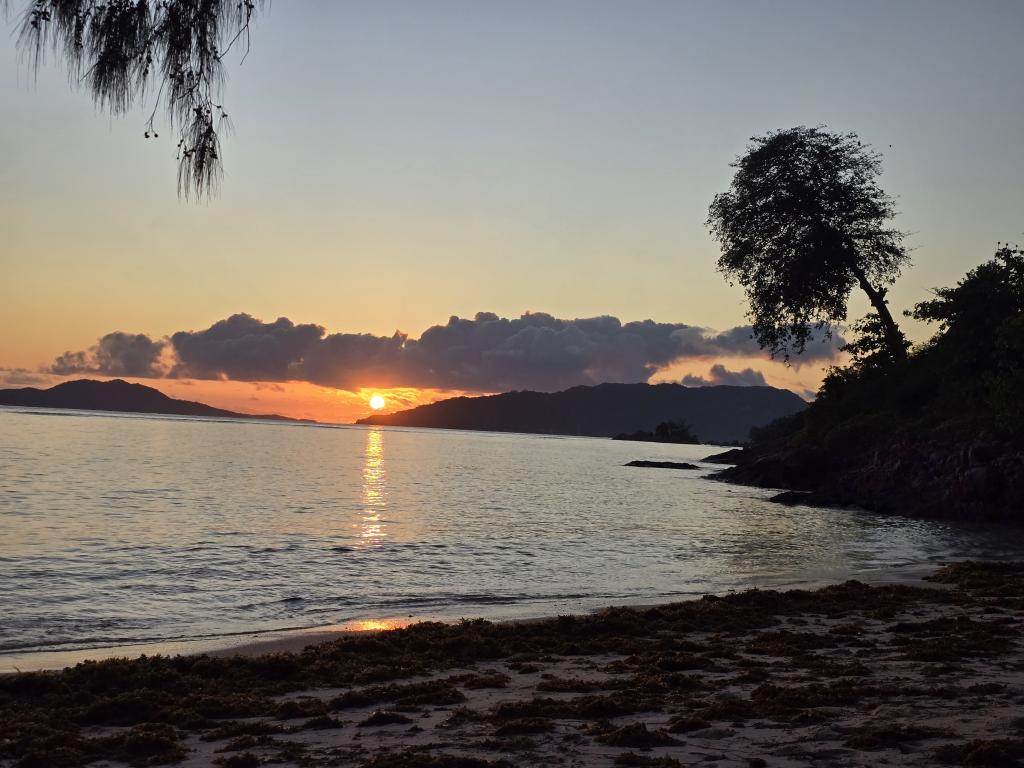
pixel 662 464
pixel 918 475
pixel 732 456
pixel 792 498
pixel 796 472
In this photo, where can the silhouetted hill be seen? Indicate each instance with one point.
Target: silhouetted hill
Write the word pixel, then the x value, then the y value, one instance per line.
pixel 716 414
pixel 116 395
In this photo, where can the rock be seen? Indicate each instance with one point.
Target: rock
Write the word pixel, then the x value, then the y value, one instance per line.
pixel 732 456
pixel 920 475
pixel 792 498
pixel 663 464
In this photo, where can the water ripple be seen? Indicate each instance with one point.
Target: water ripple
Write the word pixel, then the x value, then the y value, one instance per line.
pixel 119 530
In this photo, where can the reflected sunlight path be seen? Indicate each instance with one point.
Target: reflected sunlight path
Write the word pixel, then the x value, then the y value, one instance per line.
pixel 374 497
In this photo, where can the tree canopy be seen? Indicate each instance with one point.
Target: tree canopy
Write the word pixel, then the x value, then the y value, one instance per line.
pixel 125 50
pixel 803 222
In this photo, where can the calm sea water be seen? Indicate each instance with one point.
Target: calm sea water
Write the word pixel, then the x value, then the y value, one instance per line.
pixel 119 529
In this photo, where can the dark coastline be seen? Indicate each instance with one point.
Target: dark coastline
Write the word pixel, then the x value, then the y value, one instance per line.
pixel 119 396
pixel 716 414
pixel 977 480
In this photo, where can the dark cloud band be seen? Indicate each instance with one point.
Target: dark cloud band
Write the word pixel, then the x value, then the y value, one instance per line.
pixel 116 354
pixel 484 354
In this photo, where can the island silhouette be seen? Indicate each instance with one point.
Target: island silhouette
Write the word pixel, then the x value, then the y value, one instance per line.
pixel 121 396
pixel 721 414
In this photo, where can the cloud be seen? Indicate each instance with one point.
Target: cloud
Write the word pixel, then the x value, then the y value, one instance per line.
pixel 22 377
pixel 719 374
pixel 242 347
pixel 489 353
pixel 740 342
pixel 486 353
pixel 116 354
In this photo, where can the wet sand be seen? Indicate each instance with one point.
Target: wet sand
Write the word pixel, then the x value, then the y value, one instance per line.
pixel 848 675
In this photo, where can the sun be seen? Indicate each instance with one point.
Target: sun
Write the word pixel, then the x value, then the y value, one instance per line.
pixel 377 402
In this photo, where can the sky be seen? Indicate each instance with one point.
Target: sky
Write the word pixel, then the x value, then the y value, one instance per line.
pixel 396 164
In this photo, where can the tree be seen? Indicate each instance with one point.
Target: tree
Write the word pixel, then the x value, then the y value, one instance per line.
pixel 869 349
pixel 971 314
pixel 803 222
pixel 981 331
pixel 122 50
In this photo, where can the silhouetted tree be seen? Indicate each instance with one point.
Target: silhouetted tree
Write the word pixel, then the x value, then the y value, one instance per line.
pixel 124 49
pixel 869 348
pixel 803 222
pixel 675 432
pixel 666 432
pixel 981 330
pixel 971 313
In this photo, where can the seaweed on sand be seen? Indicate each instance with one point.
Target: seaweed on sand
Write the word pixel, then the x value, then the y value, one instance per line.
pixel 425 693
pixel 636 735
pixel 416 759
pixel 1000 753
pixel 45 712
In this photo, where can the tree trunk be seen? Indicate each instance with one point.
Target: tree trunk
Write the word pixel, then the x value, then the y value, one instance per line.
pixel 893 336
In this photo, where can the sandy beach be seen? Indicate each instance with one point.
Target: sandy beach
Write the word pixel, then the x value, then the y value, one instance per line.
pixel 847 675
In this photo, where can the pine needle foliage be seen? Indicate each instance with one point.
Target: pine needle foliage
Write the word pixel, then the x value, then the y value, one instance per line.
pixel 127 51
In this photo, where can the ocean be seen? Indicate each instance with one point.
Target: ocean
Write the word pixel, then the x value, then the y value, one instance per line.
pixel 143 531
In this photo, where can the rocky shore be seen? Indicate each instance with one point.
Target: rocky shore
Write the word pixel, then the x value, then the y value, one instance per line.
pixel 926 476
pixel 848 675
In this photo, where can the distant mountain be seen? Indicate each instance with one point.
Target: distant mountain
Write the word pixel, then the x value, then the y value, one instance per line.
pixel 716 414
pixel 116 395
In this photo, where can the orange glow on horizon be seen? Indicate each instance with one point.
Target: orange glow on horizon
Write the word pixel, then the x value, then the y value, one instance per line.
pixel 302 400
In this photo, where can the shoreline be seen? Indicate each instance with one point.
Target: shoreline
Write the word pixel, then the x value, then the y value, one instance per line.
pixel 257 642
pixel 848 674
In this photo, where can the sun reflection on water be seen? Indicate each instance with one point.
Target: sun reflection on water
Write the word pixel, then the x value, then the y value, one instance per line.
pixel 372 527
pixel 375 625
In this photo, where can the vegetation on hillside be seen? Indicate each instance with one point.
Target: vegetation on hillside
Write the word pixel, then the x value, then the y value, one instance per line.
pixel 969 376
pixel 666 432
pixel 939 432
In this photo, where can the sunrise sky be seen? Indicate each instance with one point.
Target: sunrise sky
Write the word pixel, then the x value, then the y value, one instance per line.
pixel 399 163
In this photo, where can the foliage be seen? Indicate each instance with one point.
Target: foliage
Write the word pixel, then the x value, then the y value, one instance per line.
pixel 981 324
pixel 966 381
pixel 869 349
pixel 124 49
pixel 972 314
pixel 803 222
pixel 675 432
pixel 666 432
